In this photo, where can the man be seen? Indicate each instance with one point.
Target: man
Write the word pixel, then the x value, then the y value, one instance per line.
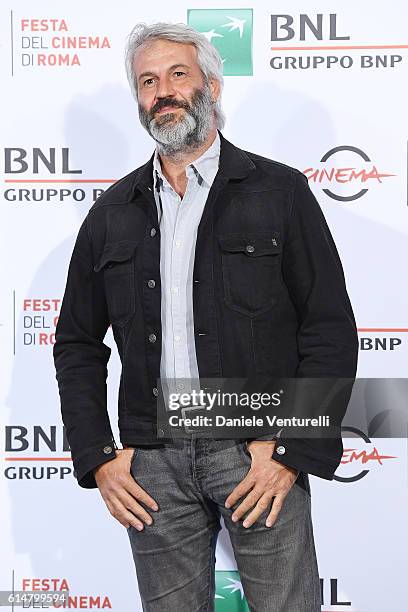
pixel 208 261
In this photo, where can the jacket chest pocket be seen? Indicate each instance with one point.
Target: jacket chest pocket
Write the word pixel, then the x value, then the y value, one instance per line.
pixel 250 271
pixel 117 263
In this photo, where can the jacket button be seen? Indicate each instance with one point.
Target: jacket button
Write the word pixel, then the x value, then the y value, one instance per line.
pixel 152 338
pixel 281 450
pixel 107 450
pixel 151 283
pixel 155 391
pixel 160 433
pixel 153 232
pixel 250 248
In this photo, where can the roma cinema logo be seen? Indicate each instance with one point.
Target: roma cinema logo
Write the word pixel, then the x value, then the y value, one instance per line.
pixel 347 173
pixel 359 456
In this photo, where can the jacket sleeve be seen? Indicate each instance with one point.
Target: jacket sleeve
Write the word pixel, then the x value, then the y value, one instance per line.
pixel 80 359
pixel 327 335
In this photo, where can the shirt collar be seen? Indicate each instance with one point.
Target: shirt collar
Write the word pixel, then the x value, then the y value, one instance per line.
pixel 206 165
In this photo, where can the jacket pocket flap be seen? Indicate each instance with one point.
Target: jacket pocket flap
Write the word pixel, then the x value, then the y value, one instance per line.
pixel 115 252
pixel 252 245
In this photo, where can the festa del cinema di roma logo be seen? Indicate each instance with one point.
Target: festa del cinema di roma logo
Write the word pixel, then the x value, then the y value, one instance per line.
pixel 46 593
pixel 50 43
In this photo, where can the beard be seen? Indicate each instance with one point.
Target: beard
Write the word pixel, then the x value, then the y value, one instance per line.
pixel 177 133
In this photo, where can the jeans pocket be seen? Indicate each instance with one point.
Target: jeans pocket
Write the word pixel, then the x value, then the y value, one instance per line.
pixel 244 447
pixel 303 482
pixel 135 453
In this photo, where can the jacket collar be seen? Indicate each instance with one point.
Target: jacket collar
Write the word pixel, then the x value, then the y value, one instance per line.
pixel 205 166
pixel 234 163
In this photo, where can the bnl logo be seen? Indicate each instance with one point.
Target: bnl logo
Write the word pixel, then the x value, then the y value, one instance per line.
pixel 230 31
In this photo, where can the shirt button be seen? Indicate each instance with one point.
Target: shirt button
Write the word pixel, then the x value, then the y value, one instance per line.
pixel 153 232
pixel 107 450
pixel 177 338
pixel 281 450
pixel 250 248
pixel 152 338
pixel 174 289
pixel 155 391
pixel 179 243
pixel 151 283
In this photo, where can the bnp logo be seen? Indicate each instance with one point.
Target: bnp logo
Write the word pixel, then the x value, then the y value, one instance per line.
pixel 229 594
pixel 230 31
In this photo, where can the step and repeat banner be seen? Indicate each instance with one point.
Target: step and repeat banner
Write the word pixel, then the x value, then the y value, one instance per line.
pixel 321 88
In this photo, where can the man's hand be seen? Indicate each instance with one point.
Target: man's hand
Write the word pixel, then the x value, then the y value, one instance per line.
pixel 266 479
pixel 120 491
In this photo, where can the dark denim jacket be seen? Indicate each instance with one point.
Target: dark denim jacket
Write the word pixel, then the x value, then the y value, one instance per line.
pixel 279 308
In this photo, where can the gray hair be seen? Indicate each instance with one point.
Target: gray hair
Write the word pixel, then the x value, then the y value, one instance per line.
pixel 208 57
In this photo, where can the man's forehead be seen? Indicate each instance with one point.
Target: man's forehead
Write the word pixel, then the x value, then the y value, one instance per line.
pixel 152 51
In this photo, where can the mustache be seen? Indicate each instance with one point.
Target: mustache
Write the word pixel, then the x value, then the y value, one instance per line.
pixel 168 102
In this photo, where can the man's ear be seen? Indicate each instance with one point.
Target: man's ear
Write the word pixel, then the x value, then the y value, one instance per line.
pixel 215 88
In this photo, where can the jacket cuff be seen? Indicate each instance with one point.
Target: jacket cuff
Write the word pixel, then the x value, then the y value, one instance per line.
pixel 292 453
pixel 86 462
pixel 270 436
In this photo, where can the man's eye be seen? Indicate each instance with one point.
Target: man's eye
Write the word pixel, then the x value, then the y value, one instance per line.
pixel 179 72
pixel 148 82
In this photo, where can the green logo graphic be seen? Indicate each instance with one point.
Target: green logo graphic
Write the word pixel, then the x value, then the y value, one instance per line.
pixel 230 31
pixel 229 594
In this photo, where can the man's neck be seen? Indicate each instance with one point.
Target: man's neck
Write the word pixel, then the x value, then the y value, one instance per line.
pixel 174 168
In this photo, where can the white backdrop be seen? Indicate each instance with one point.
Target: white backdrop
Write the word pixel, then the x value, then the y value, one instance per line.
pixel 73 108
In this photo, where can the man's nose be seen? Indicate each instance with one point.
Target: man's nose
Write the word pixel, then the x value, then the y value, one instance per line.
pixel 165 88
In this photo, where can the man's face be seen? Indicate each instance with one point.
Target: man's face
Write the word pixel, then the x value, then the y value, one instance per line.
pixel 175 102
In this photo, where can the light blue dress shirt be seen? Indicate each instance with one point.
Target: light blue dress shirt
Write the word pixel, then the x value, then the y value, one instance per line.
pixel 179 219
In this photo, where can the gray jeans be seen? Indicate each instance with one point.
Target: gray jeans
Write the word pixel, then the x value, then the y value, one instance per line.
pixel 190 480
